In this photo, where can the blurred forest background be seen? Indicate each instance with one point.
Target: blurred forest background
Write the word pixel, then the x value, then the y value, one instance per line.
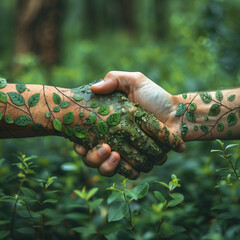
pixel 181 45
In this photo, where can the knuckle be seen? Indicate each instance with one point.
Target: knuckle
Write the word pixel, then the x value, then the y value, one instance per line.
pixel 110 74
pixel 138 75
pixel 107 172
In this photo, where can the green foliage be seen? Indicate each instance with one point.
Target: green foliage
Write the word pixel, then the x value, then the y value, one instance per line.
pixel 23 121
pixel 16 98
pixel 181 108
pixel 57 125
pixel 33 100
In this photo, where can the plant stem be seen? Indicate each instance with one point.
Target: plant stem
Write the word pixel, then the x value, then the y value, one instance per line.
pixel 229 160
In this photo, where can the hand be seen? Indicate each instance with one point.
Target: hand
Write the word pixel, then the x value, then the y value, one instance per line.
pixel 139 89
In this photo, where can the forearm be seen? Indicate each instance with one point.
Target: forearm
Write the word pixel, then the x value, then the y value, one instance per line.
pixel 207 115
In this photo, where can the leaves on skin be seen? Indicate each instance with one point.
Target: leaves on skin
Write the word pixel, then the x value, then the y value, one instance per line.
pixel 204 128
pixel 214 110
pixel 57 125
pixel 8 119
pixel 16 98
pixel 195 128
pixel 33 100
pixel 190 117
pixel 102 127
pixel 21 87
pixel 81 114
pixel 114 119
pixel 68 131
pixel 184 95
pixel 56 109
pixel 3 82
pixel 94 104
pixel 23 121
pixel 231 119
pixel 231 97
pixel 56 98
pixel 104 110
pixel 77 97
pixel 193 106
pixel 219 95
pixel 91 119
pixel 68 118
pixel 220 127
pixel 64 104
pixel 37 127
pixel 206 118
pixel 47 114
pixel 184 129
pixel 206 97
pixel 181 108
pixel 79 132
pixel 3 97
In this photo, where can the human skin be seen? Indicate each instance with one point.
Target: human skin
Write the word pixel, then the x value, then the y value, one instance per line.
pixel 193 116
pixel 90 120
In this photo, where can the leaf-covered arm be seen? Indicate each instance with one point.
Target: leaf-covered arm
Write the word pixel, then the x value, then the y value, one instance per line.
pixel 207 115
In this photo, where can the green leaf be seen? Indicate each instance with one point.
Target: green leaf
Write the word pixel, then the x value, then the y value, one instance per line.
pixel 231 97
pixel 114 119
pixel 23 121
pixel 214 110
pixel 220 127
pixel 195 128
pixel 47 114
pixel 184 129
pixel 163 184
pixel 68 131
pixel 3 97
pixel 77 97
pixel 4 234
pixel 159 196
pixel 177 198
pixel 102 127
pixel 29 193
pixel 8 119
pixel 204 128
pixel 117 211
pixel 50 201
pixel 115 195
pixel 56 109
pixel 104 110
pixel 94 104
pixel 231 145
pixel 1 115
pixel 91 193
pixel 79 132
pixel 219 95
pixel 68 118
pixel 91 119
pixel 26 230
pixel 94 204
pixel 21 87
pixel 181 108
pixel 81 114
pixel 16 98
pixel 138 192
pixel 37 127
pixel 190 117
pixel 231 119
pixel 206 97
pixel 193 106
pixel 56 98
pixel 184 95
pixel 3 82
pixel 64 104
pixel 206 118
pixel 33 100
pixel 57 125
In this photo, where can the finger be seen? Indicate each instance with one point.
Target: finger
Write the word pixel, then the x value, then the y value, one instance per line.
pixel 126 170
pixel 108 167
pixel 79 149
pixel 161 161
pixel 95 157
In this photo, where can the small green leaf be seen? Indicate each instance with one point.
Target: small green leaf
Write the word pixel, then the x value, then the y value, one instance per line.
pixel 8 119
pixel 79 132
pixel 47 114
pixel 184 129
pixel 3 82
pixel 77 97
pixel 114 119
pixel 23 121
pixel 140 191
pixel 117 211
pixel 68 131
pixel 104 110
pixel 206 118
pixel 193 106
pixel 91 119
pixel 37 127
pixel 163 184
pixel 176 199
pixel 81 114
pixel 159 196
pixel 1 115
pixel 68 118
pixel 21 87
pixel 231 97
pixel 220 127
pixel 102 127
pixel 16 98
pixel 4 234
pixel 3 97
pixel 57 125
pixel 219 95
pixel 204 128
pixel 184 95
pixel 56 109
pixel 195 128
pixel 33 100
pixel 94 104
pixel 206 97
pixel 56 98
pixel 64 104
pixel 190 117
pixel 214 110
pixel 231 119
pixel 181 108
pixel 91 193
